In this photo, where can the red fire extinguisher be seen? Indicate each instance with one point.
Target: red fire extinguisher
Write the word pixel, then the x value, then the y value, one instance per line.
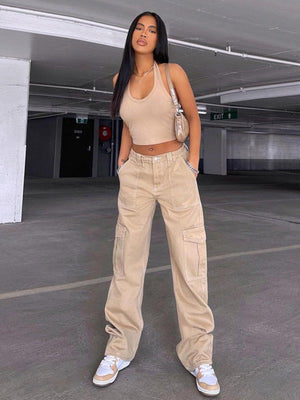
pixel 104 133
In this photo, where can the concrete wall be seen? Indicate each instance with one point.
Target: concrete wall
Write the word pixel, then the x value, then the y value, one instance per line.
pixel 14 89
pixel 44 148
pixel 246 151
pixel 201 163
pixel 214 151
pixel 41 141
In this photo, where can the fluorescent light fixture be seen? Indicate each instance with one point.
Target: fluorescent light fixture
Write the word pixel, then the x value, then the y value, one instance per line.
pixel 201 110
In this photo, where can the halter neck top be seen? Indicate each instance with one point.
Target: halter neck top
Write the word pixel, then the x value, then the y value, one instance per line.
pixel 150 120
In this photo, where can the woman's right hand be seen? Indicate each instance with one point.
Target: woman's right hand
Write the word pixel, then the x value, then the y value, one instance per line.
pixel 121 163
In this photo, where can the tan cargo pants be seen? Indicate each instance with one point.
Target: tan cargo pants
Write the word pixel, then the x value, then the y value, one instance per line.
pixel 167 179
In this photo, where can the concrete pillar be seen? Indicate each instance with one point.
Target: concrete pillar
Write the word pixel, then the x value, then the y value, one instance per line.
pixel 56 169
pixel 214 151
pixel 95 148
pixel 14 92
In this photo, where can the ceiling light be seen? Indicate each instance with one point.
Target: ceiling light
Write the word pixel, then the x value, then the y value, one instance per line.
pixel 201 107
pixel 201 110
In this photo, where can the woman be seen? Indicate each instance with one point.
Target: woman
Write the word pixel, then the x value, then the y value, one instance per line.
pixel 154 166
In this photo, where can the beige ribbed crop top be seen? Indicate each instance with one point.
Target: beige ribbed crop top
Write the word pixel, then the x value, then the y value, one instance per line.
pixel 150 120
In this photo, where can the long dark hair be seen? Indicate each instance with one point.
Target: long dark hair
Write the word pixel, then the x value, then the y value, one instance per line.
pixel 160 55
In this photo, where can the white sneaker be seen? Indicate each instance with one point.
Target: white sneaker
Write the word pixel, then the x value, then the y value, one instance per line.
pixel 108 370
pixel 207 382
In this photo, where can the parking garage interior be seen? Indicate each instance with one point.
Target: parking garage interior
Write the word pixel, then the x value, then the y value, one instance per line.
pixel 59 187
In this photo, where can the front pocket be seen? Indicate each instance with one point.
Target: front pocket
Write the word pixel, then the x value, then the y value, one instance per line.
pixel 129 186
pixel 189 169
pixel 122 166
pixel 118 252
pixel 195 266
pixel 183 185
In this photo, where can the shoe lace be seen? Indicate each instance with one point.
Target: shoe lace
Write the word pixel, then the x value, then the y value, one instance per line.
pixel 108 361
pixel 206 370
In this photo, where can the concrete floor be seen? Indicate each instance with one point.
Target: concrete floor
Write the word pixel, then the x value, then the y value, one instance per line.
pixel 52 336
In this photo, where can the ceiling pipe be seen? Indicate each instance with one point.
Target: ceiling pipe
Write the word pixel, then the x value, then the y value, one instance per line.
pixel 228 52
pixel 12 19
pixel 47 115
pixel 55 96
pixel 66 109
pixel 197 98
pixel 71 88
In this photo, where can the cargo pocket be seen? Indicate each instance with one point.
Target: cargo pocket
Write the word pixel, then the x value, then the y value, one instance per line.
pixel 195 265
pixel 118 252
pixel 112 330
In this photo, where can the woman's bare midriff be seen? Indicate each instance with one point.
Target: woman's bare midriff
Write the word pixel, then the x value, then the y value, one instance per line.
pixel 156 149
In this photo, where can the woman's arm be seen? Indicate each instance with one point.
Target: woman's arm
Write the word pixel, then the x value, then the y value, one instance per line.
pixel 126 140
pixel 187 100
pixel 126 144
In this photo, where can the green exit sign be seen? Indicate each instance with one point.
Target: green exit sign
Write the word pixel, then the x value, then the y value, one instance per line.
pixel 224 115
pixel 82 119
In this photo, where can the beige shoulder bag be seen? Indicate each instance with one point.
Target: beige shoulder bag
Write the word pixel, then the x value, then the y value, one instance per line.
pixel 181 123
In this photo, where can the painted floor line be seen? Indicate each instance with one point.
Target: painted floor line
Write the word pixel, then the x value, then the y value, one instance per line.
pixel 296 198
pixel 253 252
pixel 78 284
pixel 251 215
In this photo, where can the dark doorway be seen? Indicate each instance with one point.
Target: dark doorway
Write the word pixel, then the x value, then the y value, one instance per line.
pixel 76 148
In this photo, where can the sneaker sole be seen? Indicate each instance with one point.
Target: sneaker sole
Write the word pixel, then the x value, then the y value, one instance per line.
pixel 204 391
pixel 111 380
pixel 208 392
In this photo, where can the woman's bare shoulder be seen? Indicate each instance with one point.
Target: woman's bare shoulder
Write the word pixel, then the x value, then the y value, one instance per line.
pixel 176 69
pixel 177 73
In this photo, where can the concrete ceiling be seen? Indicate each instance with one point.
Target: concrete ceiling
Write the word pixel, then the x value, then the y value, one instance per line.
pixel 266 28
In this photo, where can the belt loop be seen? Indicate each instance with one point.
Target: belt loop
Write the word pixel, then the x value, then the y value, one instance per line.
pixel 141 161
pixel 137 158
pixel 169 157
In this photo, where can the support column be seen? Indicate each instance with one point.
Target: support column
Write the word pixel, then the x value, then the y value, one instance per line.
pixel 57 155
pixel 14 92
pixel 214 151
pixel 95 148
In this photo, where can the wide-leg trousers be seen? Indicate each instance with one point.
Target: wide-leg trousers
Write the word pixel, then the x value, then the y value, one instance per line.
pixel 144 181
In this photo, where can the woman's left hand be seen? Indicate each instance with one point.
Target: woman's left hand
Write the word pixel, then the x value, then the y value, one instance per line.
pixel 194 170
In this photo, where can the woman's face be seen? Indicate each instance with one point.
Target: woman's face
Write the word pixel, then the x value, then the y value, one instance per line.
pixel 144 37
